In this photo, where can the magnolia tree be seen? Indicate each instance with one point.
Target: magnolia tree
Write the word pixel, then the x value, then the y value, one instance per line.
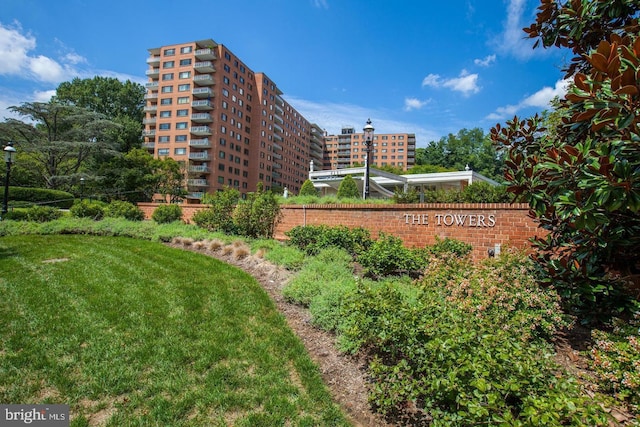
pixel 581 174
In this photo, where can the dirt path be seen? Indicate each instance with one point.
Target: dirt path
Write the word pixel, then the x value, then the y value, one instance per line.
pixel 344 375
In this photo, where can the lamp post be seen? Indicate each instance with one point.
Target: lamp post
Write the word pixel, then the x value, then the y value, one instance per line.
pixel 82 183
pixel 9 158
pixel 368 140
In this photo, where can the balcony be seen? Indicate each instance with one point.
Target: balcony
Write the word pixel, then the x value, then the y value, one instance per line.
pixel 150 108
pixel 152 85
pixel 202 92
pixel 278 128
pixel 150 132
pixel 201 118
pixel 277 137
pixel 205 54
pixel 154 73
pixel 279 110
pixel 202 104
pixel 200 130
pixel 152 95
pixel 200 156
pixel 150 121
pixel 199 169
pixel 204 67
pixel 275 174
pixel 196 195
pixel 276 166
pixel 200 143
pixel 153 60
pixel 149 145
pixel 277 146
pixel 203 80
pixel 197 183
pixel 277 156
pixel 278 119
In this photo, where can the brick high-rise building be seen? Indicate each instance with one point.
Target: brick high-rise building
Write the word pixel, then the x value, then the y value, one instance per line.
pixel 228 125
pixel 348 148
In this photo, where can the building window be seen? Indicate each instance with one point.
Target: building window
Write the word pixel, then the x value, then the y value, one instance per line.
pixel 223 117
pixel 182 113
pixel 221 167
pixel 183 100
pixel 163 152
pixel 165 126
pixel 227 56
pixel 184 74
pixel 221 155
pixel 168 64
pixel 169 52
pixel 185 62
pixel 166 101
pixel 167 89
pixel 181 125
pixel 185 49
pixel 183 88
pixel 225 92
pixel 221 180
pixel 181 138
pixel 180 151
pixel 167 76
pixel 164 139
pixel 165 114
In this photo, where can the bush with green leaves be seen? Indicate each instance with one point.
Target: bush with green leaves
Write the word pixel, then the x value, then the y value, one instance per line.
pixel 167 213
pixel 615 359
pixel 88 209
pixel 257 215
pixel 314 238
pixel 25 195
pixel 219 215
pixel 451 246
pixel 467 347
pixel 308 189
pixel 387 255
pixel 348 189
pixel 34 213
pixel 123 209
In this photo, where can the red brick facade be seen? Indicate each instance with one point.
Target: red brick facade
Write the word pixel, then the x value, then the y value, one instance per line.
pixel 486 227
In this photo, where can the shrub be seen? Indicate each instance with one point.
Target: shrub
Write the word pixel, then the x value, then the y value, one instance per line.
pixel 447 245
pixel 412 196
pixel 308 189
pixel 313 238
pixel 387 255
pixel 258 215
pixel 166 213
pixel 55 198
pixel 467 347
pixel 348 189
pixel 219 216
pixel 88 209
pixel 43 213
pixel 615 359
pixel 122 209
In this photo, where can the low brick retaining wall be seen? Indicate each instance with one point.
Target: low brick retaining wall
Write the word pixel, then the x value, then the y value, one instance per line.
pixel 486 226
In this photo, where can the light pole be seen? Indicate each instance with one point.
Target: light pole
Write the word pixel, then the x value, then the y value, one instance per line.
pixel 82 183
pixel 9 158
pixel 368 140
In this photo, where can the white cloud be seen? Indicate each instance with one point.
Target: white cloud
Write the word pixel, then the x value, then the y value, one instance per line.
pixel 17 59
pixel 414 104
pixel 43 96
pixel 541 100
pixel 466 83
pixel 486 61
pixel 321 4
pixel 513 40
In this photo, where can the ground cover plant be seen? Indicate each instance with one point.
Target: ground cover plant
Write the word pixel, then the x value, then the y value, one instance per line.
pixel 127 333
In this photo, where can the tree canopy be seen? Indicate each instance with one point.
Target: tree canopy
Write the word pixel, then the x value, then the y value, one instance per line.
pixel 581 172
pixel 468 148
pixel 121 102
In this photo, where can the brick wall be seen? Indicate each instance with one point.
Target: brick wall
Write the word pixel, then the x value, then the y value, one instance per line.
pixel 484 226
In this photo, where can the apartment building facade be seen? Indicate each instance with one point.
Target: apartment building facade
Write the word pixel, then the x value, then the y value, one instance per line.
pixel 349 149
pixel 224 123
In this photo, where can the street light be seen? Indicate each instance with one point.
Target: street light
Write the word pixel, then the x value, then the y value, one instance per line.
pixel 368 140
pixel 82 183
pixel 9 158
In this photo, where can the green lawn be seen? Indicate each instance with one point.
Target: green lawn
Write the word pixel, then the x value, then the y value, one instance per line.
pixel 133 333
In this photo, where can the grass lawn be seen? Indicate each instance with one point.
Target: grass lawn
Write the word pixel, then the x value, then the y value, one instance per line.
pixel 133 333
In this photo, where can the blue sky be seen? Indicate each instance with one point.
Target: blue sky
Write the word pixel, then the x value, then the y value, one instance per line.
pixel 424 67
